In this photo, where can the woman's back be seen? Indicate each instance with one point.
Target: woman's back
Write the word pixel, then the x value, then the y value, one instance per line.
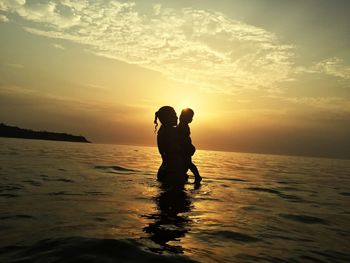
pixel 173 165
pixel 167 141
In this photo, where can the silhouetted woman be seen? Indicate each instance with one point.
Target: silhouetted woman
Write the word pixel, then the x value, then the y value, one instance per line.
pixel 173 169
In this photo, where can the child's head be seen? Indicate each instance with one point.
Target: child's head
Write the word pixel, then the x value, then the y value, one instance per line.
pixel 166 115
pixel 186 115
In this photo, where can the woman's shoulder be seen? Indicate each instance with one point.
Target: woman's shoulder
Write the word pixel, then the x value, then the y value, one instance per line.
pixel 167 131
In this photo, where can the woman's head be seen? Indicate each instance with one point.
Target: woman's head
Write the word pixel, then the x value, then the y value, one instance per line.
pixel 166 115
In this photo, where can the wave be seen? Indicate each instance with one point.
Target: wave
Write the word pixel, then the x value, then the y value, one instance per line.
pixel 305 256
pixel 82 249
pixel 288 197
pixel 232 236
pixel 116 169
pixel 306 219
pixel 85 193
pixel 10 187
pixel 9 195
pixel 20 216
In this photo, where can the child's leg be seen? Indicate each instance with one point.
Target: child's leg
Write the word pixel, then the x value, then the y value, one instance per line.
pixel 195 171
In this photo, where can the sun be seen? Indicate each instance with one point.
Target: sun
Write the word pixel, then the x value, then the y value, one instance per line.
pixel 183 104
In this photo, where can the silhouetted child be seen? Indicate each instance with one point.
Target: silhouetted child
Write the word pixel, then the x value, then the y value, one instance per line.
pixel 187 148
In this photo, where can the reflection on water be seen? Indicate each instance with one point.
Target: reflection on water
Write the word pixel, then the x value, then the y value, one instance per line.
pixel 66 202
pixel 171 221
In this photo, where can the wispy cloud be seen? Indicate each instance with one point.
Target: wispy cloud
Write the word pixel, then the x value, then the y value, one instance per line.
pixel 48 13
pixel 3 19
pixel 93 86
pixel 335 67
pixel 19 66
pixel 64 103
pixel 327 103
pixel 58 46
pixel 332 66
pixel 14 89
pixel 201 48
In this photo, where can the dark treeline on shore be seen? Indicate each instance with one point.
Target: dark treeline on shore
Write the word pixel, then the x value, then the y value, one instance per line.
pixel 16 132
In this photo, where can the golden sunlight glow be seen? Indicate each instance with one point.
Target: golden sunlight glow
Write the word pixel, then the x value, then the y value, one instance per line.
pixel 248 81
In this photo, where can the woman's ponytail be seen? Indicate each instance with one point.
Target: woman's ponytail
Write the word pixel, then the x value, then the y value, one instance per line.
pixel 155 121
pixel 164 115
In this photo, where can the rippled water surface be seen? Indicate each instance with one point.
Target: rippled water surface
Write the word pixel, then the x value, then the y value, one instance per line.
pixel 68 202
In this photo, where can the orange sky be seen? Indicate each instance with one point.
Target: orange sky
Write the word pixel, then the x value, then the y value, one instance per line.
pixel 262 76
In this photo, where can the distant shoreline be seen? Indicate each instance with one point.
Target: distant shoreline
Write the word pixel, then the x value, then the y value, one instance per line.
pixel 16 132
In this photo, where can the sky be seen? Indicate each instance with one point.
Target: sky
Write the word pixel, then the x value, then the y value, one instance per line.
pixel 263 76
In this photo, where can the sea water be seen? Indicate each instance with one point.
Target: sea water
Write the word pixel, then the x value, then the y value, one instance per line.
pixel 69 202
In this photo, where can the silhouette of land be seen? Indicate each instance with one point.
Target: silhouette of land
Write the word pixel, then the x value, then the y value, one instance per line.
pixel 16 132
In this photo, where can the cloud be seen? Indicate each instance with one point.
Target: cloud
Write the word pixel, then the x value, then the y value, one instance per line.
pixel 3 19
pixel 335 67
pixel 93 86
pixel 196 47
pixel 335 105
pixel 48 13
pixel 332 66
pixel 18 66
pixel 6 5
pixel 16 90
pixel 156 9
pixel 58 46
